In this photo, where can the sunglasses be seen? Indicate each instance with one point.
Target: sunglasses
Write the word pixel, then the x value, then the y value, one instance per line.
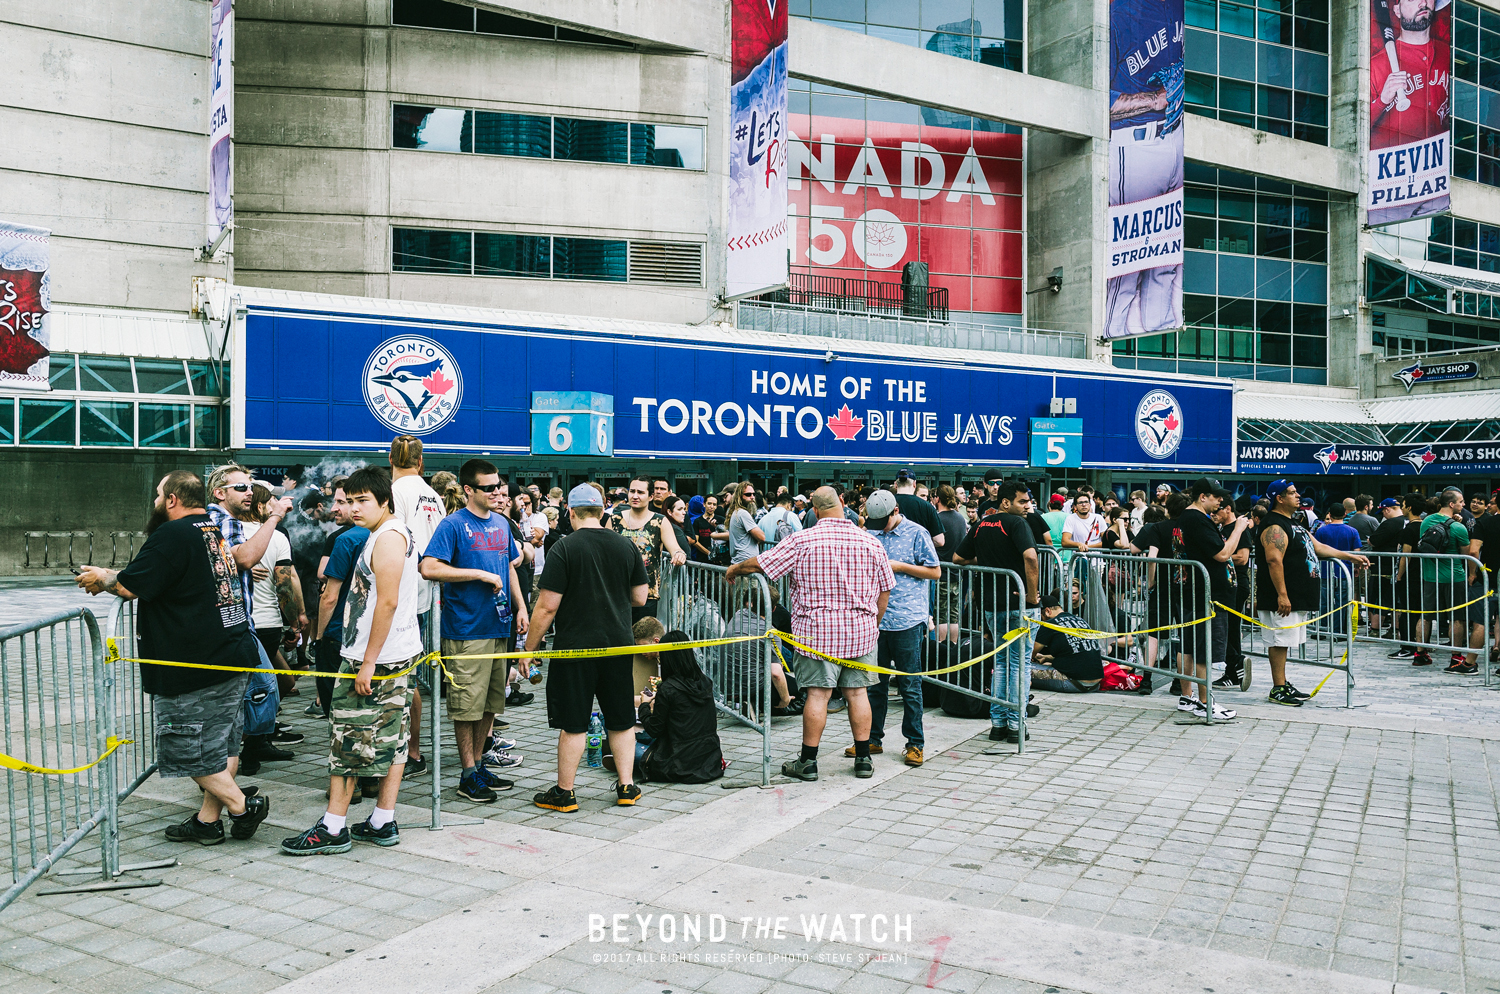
pixel 488 488
pixel 238 487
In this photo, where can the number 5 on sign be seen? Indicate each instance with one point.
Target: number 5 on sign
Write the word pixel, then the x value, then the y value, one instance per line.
pixel 1057 443
pixel 572 422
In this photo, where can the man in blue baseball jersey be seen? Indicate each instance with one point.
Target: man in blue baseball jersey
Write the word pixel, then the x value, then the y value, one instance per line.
pixel 1146 163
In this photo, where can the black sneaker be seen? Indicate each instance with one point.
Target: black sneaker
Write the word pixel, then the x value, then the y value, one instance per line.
pixel 1284 695
pixel 554 798
pixel 1297 693
pixel 493 782
pixel 801 769
pixel 265 752
pixel 1459 665
pixel 286 735
pixel 318 841
pixel 194 830
pixel 626 795
pixel 473 787
pixel 1032 710
pixel 387 835
pixel 243 826
pixel 415 767
pixel 864 767
pixel 519 700
pixel 1229 681
pixel 997 733
pixel 1421 659
pixel 1401 653
pixel 1013 735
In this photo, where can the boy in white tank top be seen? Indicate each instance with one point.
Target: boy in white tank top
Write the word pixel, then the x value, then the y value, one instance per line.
pixel 370 712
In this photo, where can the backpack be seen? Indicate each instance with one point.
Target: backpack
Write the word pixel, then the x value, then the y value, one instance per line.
pixel 1434 540
pixel 784 527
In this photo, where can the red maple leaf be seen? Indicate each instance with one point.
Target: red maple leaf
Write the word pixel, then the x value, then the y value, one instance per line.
pixel 845 425
pixel 438 383
pixel 1333 456
pixel 20 309
pixel 1171 422
pixel 1429 457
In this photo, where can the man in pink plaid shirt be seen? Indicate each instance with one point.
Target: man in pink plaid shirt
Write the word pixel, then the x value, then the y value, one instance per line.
pixel 841 580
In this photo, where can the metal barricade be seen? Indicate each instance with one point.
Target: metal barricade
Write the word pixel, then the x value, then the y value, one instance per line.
pixel 1412 598
pixel 134 711
pixel 1329 643
pixel 56 716
pixel 985 604
pixel 697 600
pixel 1145 603
pixel 1050 568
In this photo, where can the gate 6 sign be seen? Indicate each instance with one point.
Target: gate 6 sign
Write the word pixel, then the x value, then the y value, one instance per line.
pixel 572 423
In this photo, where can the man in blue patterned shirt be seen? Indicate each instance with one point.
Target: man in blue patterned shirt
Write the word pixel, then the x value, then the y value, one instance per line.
pixel 914 560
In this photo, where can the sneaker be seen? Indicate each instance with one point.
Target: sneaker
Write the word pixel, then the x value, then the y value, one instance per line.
pixel 557 799
pixel 1229 681
pixel 1284 695
pixel 243 826
pixel 286 735
pixel 496 744
pixel 1012 735
pixel 627 794
pixel 318 841
pixel 1245 674
pixel 1032 710
pixel 913 756
pixel 1421 659
pixel 1401 653
pixel 875 749
pixel 801 769
pixel 864 767
pixel 314 710
pixel 519 700
pixel 499 759
pixel 267 753
pixel 1297 693
pixel 1145 688
pixel 1460 666
pixel 837 705
pixel 194 830
pixel 1457 659
pixel 474 788
pixel 493 782
pixel 415 767
pixel 1220 713
pixel 387 835
pixel 997 733
pixel 1187 704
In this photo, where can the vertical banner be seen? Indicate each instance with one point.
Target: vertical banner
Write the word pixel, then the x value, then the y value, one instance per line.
pixel 1410 59
pixel 1144 270
pixel 757 148
pixel 25 299
pixel 221 119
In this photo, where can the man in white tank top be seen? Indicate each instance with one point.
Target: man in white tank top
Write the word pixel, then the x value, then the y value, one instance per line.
pixel 418 507
pixel 370 713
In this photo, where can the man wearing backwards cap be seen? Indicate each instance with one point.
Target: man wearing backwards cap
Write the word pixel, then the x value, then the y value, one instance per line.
pixel 1288 575
pixel 841 583
pixel 1387 538
pixel 1196 537
pixel 592 579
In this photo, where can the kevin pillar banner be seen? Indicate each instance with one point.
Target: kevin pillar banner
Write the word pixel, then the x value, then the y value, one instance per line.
pixel 1410 60
pixel 1144 290
pixel 757 149
pixel 25 299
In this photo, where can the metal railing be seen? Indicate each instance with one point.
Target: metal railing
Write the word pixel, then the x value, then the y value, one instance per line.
pixel 1329 642
pixel 696 599
pixel 1413 610
pixel 986 604
pixel 1147 600
pixel 786 319
pixel 844 293
pixel 134 710
pixel 56 716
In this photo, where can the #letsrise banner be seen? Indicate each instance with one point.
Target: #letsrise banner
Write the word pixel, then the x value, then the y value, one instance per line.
pixel 1144 290
pixel 757 148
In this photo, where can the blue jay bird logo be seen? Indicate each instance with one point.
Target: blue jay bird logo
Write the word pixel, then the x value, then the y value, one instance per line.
pixel 1158 424
pixel 412 384
pixel 1408 375
pixel 1327 456
pixel 1420 459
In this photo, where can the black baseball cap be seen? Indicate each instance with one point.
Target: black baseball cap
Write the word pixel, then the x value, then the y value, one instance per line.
pixel 993 476
pixel 1208 485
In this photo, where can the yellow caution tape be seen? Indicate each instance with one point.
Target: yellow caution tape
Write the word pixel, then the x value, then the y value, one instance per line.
pixel 112 655
pixel 12 763
pixel 1090 633
pixel 1421 610
pixel 617 650
pixel 855 664
pixel 1285 628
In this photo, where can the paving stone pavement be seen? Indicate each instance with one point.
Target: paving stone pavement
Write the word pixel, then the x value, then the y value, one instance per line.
pixel 1290 850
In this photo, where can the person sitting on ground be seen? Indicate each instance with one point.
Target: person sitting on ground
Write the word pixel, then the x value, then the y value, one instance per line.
pixel 647 631
pixel 681 737
pixel 1064 661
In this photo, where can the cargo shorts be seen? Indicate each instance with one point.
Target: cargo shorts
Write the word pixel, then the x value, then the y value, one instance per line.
pixel 369 734
pixel 197 732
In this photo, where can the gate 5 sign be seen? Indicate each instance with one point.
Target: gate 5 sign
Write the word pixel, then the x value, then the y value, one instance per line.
pixel 572 423
pixel 1057 443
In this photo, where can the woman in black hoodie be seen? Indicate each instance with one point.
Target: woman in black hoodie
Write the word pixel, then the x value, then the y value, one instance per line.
pixel 683 724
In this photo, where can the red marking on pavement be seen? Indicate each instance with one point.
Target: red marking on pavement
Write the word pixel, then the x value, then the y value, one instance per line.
pixel 525 847
pixel 941 945
pixel 780 802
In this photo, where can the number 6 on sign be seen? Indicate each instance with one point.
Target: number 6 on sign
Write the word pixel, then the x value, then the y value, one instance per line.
pixel 560 434
pixel 572 422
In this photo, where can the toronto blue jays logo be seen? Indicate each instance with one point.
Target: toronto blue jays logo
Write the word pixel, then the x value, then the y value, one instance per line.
pixel 1408 375
pixel 1158 424
pixel 1419 459
pixel 1327 456
pixel 412 384
pixel 1416 373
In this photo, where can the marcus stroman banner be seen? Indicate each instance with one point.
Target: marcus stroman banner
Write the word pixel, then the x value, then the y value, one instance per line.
pixel 220 119
pixel 1144 292
pixel 757 149
pixel 1410 109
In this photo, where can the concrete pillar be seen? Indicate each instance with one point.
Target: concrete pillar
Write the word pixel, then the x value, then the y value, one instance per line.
pixel 1067 177
pixel 1349 341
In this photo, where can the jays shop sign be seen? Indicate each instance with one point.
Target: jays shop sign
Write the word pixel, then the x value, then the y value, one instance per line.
pixel 1312 459
pixel 344 381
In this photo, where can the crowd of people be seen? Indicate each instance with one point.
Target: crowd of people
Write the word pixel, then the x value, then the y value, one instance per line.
pixel 341 581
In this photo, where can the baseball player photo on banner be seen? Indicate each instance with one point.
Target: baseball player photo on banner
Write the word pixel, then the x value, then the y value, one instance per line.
pixel 1144 290
pixel 757 148
pixel 1410 108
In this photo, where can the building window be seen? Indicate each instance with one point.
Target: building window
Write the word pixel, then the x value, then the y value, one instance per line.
pixel 166 425
pixel 490 253
pixel 208 427
pixel 105 374
pixel 1263 67
pixel 161 376
pixel 1452 241
pixel 1255 279
pixel 1476 93
pixel 108 423
pixel 46 421
pixel 7 420
pixel 988 31
pixel 533 136
pixel 458 17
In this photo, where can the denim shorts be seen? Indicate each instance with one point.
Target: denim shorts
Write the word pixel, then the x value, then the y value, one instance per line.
pixel 197 732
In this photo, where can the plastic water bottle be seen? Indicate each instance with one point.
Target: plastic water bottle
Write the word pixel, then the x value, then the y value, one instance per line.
pixel 595 750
